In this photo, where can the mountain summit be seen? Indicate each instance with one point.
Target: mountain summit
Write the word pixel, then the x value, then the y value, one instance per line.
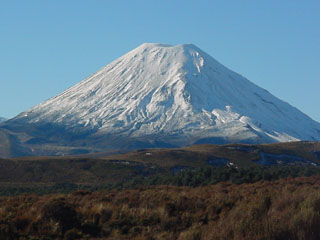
pixel 159 95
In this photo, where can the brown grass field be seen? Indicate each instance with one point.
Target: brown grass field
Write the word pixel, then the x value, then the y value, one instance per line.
pixel 283 209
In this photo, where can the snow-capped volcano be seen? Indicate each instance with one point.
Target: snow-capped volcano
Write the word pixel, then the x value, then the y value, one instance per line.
pixel 174 94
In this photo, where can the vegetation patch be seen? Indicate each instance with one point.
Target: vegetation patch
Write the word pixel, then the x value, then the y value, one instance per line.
pixel 282 209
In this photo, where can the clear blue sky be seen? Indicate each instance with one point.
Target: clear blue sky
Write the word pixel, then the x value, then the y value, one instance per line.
pixel 48 46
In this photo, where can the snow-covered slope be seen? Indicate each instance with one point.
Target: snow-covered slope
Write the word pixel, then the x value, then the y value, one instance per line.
pixel 178 94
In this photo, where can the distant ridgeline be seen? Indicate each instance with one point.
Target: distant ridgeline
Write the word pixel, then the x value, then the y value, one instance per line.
pixel 194 166
pixel 2 119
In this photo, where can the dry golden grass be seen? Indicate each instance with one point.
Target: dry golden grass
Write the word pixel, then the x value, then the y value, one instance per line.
pixel 283 209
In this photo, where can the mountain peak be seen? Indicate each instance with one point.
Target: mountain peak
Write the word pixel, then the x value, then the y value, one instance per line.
pixel 163 45
pixel 174 94
pixel 153 45
pixel 167 47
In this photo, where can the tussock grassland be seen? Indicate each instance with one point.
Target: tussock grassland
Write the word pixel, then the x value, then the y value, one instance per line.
pixel 282 209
